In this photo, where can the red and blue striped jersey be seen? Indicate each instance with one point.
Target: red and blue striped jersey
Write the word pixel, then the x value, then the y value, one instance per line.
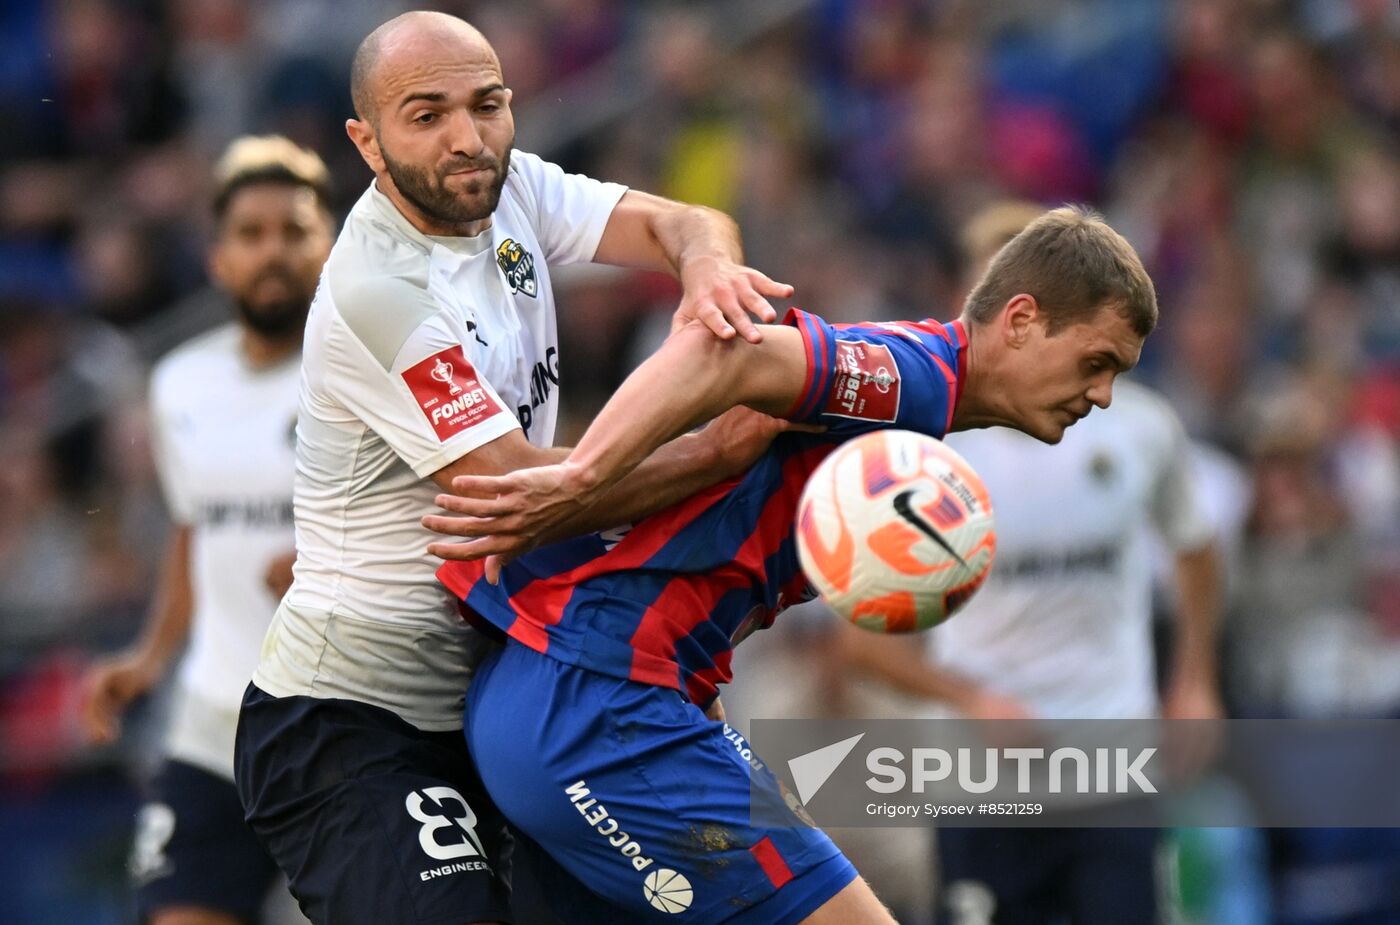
pixel 665 600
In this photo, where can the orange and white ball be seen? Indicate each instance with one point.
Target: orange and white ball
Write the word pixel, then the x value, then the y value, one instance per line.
pixel 896 532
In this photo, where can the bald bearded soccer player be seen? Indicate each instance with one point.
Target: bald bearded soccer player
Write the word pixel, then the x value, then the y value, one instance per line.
pixel 432 352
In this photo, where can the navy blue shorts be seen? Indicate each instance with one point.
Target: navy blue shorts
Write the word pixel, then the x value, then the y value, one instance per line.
pixel 373 821
pixel 641 802
pixel 192 847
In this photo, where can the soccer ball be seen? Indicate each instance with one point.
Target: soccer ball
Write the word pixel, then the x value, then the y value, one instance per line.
pixel 895 530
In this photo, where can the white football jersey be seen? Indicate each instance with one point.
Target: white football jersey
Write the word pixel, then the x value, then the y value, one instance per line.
pixel 223 434
pixel 418 350
pixel 1064 620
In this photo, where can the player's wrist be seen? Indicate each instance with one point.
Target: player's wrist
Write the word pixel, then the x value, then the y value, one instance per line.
pixel 147 666
pixel 135 670
pixel 1194 669
pixel 701 261
pixel 583 481
pixel 1194 682
pixel 697 269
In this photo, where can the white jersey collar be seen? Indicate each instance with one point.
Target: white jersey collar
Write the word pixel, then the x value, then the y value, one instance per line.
pixel 383 207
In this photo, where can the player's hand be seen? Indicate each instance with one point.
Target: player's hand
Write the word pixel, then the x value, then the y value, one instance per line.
pixel 721 295
pixel 109 688
pixel 506 515
pixel 986 704
pixel 1003 721
pixel 1193 708
pixel 741 435
pixel 278 575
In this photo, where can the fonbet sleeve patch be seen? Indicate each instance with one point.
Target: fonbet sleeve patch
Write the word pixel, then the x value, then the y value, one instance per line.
pixel 449 392
pixel 865 385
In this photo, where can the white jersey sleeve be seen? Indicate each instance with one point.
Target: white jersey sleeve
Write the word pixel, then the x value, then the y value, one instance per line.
pixel 418 391
pixel 569 211
pixel 164 422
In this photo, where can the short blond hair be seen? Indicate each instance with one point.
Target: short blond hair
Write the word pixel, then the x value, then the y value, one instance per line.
pixel 268 159
pixel 1073 264
pixel 990 229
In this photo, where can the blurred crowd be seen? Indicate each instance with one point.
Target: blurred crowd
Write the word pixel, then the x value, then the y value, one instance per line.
pixel 1250 149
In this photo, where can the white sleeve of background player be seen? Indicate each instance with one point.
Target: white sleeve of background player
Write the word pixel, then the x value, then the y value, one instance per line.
pixel 569 211
pixel 1178 511
pixel 172 478
pixel 424 398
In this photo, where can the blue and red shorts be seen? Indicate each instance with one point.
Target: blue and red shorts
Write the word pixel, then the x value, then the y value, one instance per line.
pixel 640 800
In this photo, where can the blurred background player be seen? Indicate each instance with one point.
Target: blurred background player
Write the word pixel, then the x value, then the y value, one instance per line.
pixel 223 410
pixel 1062 629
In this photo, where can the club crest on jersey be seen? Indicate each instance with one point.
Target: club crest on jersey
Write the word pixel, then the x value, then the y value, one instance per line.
pixel 518 266
pixel 1103 467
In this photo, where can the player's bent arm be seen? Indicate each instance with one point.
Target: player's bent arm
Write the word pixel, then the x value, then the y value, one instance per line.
pixel 679 468
pixel 649 232
pixel 702 248
pixel 507 453
pixel 691 379
pixel 113 683
pixel 899 662
pixel 168 623
pixel 1192 691
pixel 675 471
pixel 672 473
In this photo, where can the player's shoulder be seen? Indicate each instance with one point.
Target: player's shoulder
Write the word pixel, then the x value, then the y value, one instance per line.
pixel 528 172
pixel 377 278
pixel 377 246
pixel 537 190
pixel 196 359
pixel 525 167
pixel 930 334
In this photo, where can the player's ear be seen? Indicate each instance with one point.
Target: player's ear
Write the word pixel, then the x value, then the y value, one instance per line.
pixel 1020 315
pixel 215 263
pixel 362 134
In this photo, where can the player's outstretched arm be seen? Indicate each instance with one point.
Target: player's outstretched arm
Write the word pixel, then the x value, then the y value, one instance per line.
pixel 1192 691
pixel 701 248
pixel 691 379
pixel 113 683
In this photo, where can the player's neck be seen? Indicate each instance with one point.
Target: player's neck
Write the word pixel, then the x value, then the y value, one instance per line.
pixel 263 350
pixel 977 404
